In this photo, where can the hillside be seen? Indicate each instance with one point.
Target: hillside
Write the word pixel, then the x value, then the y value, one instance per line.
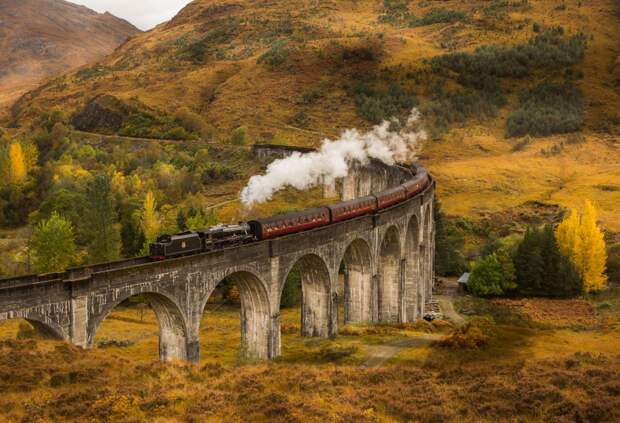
pixel 296 76
pixel 42 38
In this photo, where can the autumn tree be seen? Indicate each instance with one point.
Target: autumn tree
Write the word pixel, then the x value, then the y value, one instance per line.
pixel 150 220
pixel 53 245
pixel 103 228
pixel 198 219
pixel 581 239
pixel 17 164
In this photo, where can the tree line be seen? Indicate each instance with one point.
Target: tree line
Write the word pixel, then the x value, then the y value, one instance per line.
pixel 550 262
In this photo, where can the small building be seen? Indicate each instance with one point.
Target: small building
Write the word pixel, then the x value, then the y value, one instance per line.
pixel 463 281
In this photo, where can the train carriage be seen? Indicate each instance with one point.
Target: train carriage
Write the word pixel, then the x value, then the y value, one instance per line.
pixel 352 208
pixel 390 197
pixel 290 223
pixel 417 184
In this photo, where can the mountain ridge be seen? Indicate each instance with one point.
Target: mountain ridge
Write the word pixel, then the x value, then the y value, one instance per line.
pixel 43 38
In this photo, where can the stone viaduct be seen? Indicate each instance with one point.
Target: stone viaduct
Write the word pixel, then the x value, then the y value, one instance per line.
pixel 387 257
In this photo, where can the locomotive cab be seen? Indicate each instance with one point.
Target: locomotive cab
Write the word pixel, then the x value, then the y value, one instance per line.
pixel 168 246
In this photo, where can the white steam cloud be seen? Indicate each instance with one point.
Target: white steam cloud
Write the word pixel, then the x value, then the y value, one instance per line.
pixel 334 159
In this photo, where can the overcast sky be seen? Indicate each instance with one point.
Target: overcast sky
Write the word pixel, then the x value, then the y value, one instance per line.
pixel 144 14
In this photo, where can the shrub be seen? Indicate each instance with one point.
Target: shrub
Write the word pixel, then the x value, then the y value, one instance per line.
pixel 377 105
pixel 239 136
pixel 199 50
pixel 192 122
pixel 396 12
pixel 300 119
pixel 522 144
pixel 548 109
pixel 499 8
pixel 460 105
pixel 217 172
pixel 439 15
pixel 311 96
pixel 177 133
pixel 549 50
pixel 277 54
pixel 472 335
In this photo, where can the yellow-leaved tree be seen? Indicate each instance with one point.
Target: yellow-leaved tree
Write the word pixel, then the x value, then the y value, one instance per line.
pixel 17 164
pixel 150 220
pixel 581 239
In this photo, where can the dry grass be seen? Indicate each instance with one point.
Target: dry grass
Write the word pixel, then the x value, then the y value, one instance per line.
pixel 61 383
pixel 532 368
pixel 553 311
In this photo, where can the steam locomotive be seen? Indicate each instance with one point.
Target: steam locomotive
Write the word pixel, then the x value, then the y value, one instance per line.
pixel 222 236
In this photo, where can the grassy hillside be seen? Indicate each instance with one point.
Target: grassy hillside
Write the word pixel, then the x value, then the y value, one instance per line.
pixel 296 76
pixel 42 38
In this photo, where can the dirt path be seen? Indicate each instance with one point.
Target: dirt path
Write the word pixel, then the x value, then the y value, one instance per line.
pixel 447 309
pixel 379 354
pixel 448 291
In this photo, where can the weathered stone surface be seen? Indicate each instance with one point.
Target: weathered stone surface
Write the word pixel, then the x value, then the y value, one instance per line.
pixel 388 278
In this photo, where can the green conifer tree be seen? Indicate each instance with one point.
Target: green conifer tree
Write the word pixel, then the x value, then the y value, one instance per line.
pixel 101 217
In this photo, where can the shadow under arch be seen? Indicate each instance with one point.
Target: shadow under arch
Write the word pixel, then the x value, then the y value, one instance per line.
pixel 389 277
pixel 43 327
pixel 358 292
pixel 412 287
pixel 255 314
pixel 316 300
pixel 173 334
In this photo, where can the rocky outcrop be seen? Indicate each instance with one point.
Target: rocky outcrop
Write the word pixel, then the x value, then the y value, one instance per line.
pixel 104 115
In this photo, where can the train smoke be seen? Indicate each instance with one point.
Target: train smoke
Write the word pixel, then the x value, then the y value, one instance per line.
pixel 334 159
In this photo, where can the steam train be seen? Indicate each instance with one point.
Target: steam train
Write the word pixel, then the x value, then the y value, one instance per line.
pixel 222 236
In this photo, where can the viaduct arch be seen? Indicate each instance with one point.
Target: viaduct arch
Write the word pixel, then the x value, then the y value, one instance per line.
pixel 388 271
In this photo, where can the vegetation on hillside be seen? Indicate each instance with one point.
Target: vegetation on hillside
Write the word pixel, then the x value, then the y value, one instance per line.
pixel 112 197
